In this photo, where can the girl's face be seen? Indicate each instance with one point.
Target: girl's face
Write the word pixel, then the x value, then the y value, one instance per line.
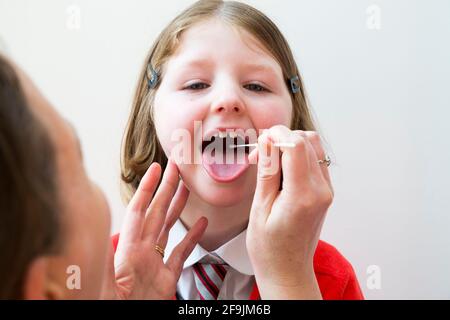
pixel 222 77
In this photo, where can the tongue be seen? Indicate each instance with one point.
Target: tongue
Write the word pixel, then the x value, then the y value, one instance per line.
pixel 219 165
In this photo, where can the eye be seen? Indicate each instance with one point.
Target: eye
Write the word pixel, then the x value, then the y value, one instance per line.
pixel 255 87
pixel 197 86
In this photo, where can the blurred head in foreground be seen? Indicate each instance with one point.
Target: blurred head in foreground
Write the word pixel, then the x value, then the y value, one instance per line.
pixel 54 222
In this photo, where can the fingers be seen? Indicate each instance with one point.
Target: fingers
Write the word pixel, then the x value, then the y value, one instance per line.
pixel 314 167
pixel 157 211
pixel 144 193
pixel 314 139
pixel 299 162
pixel 182 251
pixel 135 216
pixel 269 171
pixel 295 160
pixel 175 210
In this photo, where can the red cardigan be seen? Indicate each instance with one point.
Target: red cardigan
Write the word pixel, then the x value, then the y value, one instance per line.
pixel 335 275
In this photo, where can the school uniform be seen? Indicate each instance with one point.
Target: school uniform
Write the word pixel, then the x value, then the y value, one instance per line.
pixel 227 274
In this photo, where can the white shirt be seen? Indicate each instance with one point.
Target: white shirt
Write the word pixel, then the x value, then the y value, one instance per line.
pixel 239 280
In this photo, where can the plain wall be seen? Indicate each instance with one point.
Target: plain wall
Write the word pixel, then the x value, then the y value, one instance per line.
pixel 381 97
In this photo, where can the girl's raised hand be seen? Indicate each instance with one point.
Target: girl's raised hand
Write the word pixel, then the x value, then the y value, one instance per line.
pixel 285 225
pixel 138 270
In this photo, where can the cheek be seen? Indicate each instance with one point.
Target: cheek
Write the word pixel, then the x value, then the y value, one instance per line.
pixel 88 239
pixel 175 117
pixel 100 233
pixel 270 113
pixel 104 214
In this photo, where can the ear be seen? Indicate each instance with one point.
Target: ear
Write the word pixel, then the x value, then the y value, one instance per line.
pixel 37 282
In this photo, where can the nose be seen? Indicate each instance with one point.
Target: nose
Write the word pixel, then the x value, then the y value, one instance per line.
pixel 228 102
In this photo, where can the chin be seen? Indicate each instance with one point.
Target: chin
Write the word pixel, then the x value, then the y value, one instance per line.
pixel 226 194
pixel 223 198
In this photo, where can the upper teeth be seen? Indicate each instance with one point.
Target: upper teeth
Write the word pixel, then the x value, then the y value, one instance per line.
pixel 224 134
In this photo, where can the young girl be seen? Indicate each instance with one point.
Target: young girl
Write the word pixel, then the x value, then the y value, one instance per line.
pixel 227 66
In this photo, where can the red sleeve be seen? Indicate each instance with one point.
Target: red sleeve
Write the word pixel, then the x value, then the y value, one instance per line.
pixel 352 290
pixel 115 241
pixel 335 275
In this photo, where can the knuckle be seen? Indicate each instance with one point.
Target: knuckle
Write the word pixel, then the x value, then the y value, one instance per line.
pixel 313 199
pixel 314 136
pixel 279 131
pixel 307 200
pixel 300 143
pixel 326 197
pixel 332 192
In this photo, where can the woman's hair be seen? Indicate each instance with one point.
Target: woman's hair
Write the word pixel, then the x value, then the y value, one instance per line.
pixel 140 145
pixel 28 193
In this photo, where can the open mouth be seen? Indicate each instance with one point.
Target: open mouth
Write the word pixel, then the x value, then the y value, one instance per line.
pixel 223 157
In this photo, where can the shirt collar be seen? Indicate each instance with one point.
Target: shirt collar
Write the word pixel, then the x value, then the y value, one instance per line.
pixel 234 252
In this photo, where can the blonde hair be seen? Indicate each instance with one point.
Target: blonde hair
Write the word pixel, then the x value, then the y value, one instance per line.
pixel 141 146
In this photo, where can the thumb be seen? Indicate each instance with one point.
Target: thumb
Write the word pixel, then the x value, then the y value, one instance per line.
pixel 269 171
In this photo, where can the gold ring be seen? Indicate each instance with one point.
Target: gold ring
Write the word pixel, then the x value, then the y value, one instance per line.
pixel 327 160
pixel 159 250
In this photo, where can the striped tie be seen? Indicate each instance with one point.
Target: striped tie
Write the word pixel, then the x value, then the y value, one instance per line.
pixel 208 279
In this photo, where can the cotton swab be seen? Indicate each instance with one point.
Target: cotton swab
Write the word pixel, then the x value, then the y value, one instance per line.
pixel 280 144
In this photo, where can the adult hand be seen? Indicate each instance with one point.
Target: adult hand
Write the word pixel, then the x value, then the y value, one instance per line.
pixel 285 225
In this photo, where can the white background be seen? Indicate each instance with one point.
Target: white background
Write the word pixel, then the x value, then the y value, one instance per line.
pixel 381 97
